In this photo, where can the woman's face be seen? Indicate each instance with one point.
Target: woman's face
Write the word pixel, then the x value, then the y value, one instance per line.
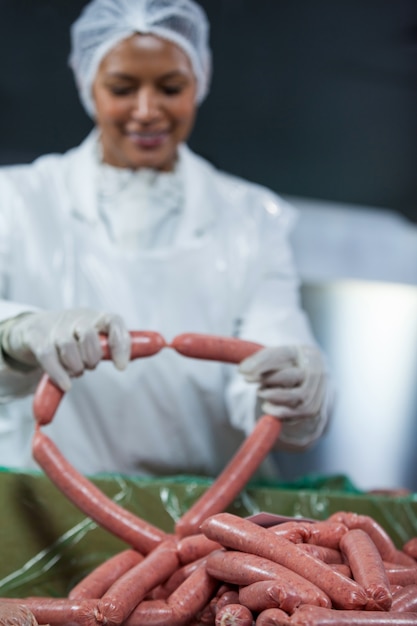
pixel 145 99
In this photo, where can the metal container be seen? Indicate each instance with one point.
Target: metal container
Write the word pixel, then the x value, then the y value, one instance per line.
pixel 369 332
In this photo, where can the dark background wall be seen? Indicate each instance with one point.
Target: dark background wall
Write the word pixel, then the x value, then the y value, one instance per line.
pixel 314 98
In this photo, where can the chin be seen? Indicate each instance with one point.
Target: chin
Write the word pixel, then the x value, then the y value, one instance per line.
pixel 154 163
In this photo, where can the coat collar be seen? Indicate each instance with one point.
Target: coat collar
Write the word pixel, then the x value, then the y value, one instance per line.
pixel 199 188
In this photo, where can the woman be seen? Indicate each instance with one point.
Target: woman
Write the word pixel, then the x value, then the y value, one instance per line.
pixel 131 230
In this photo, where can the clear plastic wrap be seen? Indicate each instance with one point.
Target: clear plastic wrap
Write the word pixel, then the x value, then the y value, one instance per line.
pixel 48 545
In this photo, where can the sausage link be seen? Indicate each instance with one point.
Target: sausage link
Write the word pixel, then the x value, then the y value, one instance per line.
pixel 214 348
pixel 151 613
pixel 327 534
pixel 234 477
pixel 231 596
pixel 240 568
pixel 269 594
pixel 48 395
pixel 224 592
pixel 328 555
pixel 131 588
pixel 99 580
pixel 367 568
pixel 178 577
pixel 195 547
pixel 405 599
pixel 410 548
pixel 400 574
pixel 378 534
pixel 91 501
pixel 319 616
pixel 402 558
pixel 240 534
pixel 144 343
pixel 297 532
pixel 205 617
pixel 181 607
pixel 46 400
pixel 234 615
pixel 59 611
pixel 12 614
pixel 192 595
pixel 343 568
pixel 272 617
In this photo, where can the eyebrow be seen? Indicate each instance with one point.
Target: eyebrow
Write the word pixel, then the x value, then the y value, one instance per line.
pixel 168 75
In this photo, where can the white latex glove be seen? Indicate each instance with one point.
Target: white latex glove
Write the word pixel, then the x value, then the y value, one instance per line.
pixel 292 387
pixel 65 343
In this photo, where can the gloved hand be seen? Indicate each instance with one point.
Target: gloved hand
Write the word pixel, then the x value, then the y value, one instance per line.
pixel 65 343
pixel 292 387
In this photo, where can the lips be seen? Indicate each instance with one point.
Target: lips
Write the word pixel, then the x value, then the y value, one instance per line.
pixel 147 139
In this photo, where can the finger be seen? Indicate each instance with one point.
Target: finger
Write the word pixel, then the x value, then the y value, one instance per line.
pixel 286 397
pixel 69 356
pixel 120 343
pixel 89 346
pixel 50 363
pixel 314 392
pixel 291 377
pixel 77 343
pixel 280 411
pixel 268 360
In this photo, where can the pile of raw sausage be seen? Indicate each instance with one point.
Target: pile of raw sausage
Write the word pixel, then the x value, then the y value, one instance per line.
pixel 218 569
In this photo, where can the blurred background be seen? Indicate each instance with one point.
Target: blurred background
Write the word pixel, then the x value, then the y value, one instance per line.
pixel 312 98
pixel 318 101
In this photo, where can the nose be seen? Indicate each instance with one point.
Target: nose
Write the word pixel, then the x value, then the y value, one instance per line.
pixel 146 106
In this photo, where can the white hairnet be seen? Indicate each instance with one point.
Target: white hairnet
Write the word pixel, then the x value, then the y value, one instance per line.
pixel 103 23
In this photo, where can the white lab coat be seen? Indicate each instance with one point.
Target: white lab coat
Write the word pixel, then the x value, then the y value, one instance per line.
pixel 228 272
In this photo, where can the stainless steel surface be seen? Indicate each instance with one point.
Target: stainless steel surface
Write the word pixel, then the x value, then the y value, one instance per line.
pixel 369 333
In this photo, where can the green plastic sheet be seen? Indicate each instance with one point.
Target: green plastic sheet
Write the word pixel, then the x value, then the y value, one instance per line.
pixel 48 545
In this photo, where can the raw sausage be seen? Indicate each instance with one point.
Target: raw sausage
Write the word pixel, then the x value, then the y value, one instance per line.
pixel 46 400
pixel 343 568
pixel 297 532
pixel 181 607
pixel 400 574
pixel 99 580
pixel 319 616
pixel 16 615
pixel 269 594
pixel 90 500
pixel 405 599
pixel 378 534
pixel 224 592
pixel 272 617
pixel 231 596
pixel 234 615
pixel 48 395
pixel 214 348
pixel 240 534
pixel 205 617
pixel 177 578
pixel 131 588
pixel 194 547
pixel 59 611
pixel 328 555
pixel 327 534
pixel 144 343
pixel 234 477
pixel 367 568
pixel 253 450
pixel 410 548
pixel 239 568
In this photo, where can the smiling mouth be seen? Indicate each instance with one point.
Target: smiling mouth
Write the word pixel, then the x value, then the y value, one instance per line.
pixel 148 139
